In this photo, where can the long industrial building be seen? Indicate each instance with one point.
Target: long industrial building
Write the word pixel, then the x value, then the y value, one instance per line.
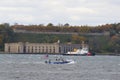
pixel 27 47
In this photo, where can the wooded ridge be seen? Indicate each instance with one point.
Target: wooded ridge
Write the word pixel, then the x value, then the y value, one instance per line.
pixel 102 38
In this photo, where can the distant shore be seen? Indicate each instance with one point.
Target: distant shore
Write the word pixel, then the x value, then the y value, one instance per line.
pixel 109 54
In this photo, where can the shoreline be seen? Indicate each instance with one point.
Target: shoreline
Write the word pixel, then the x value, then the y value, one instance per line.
pixel 108 54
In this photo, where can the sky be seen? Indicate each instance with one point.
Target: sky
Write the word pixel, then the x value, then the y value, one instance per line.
pixel 74 12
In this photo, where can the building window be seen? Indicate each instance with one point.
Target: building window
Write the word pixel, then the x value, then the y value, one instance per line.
pixel 32 49
pixel 18 49
pixel 24 49
pixel 39 50
pixel 59 49
pixel 8 48
pixel 46 49
pixel 54 49
pixel 50 50
pixel 35 50
pixel 64 50
pixel 28 50
pixel 42 50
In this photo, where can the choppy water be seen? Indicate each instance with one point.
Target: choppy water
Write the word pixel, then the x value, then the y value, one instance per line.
pixel 32 67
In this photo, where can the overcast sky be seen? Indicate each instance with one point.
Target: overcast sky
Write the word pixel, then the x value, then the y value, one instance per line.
pixel 74 12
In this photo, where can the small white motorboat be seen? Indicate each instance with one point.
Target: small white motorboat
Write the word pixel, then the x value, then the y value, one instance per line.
pixel 59 61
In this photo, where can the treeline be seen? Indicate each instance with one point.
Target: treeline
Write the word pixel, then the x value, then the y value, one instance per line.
pixel 102 43
pixel 67 28
pixel 6 34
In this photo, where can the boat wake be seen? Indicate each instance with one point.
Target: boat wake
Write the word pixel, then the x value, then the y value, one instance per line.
pixel 71 62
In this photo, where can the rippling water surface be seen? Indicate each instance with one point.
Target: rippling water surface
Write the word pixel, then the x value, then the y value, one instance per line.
pixel 32 67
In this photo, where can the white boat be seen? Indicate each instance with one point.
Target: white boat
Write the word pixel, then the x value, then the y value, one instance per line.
pixel 83 51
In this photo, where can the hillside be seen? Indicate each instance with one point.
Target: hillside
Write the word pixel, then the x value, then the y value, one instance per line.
pixel 102 39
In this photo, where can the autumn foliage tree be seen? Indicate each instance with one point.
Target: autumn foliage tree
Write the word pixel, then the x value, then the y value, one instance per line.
pixel 78 39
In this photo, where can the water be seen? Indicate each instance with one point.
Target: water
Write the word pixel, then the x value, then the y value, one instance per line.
pixel 32 67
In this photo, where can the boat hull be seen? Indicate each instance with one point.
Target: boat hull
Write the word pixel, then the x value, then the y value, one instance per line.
pixel 63 62
pixel 92 54
pixel 75 54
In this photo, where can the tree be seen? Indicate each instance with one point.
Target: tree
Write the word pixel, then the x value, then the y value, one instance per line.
pixel 55 39
pixel 78 39
pixel 6 34
pixel 50 25
pixel 66 25
pixel 1 40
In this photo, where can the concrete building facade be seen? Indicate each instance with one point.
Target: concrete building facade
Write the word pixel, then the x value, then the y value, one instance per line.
pixel 40 47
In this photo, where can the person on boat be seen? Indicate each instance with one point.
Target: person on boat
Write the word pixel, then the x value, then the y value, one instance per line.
pixel 57 59
pixel 47 56
pixel 46 61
